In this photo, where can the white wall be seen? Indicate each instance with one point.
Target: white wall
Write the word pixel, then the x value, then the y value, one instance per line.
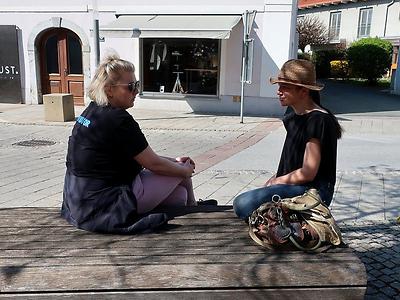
pixel 27 22
pixel 393 21
pixel 275 28
pixel 350 18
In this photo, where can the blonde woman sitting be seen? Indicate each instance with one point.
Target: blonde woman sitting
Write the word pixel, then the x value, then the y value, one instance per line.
pixel 114 180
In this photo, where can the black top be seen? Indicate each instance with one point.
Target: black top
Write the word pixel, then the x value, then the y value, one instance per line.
pixel 300 130
pixel 103 144
pixel 100 168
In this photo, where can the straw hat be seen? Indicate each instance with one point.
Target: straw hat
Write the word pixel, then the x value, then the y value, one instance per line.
pixel 299 72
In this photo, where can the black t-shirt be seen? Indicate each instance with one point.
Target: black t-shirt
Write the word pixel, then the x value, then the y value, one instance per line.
pixel 300 130
pixel 103 144
pixel 97 192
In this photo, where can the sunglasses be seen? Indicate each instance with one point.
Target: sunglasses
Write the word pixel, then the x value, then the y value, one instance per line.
pixel 132 86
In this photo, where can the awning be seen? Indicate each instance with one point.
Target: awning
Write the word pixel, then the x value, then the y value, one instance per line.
pixel 171 26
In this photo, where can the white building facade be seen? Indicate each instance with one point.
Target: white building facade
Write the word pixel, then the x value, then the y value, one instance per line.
pixel 188 56
pixel 350 20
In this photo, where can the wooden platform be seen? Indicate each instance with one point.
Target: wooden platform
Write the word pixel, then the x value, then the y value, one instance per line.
pixel 200 255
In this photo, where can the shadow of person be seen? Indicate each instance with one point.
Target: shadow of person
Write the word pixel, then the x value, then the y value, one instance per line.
pixel 173 212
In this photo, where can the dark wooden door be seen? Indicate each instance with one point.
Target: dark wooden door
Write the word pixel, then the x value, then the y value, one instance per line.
pixel 61 64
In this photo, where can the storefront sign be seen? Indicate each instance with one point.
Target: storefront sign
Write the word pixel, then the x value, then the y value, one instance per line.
pixel 10 77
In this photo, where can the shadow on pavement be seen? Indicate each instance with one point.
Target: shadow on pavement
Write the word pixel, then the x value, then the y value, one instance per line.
pixel 346 98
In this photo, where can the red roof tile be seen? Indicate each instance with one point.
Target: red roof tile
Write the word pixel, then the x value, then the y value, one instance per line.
pixel 311 3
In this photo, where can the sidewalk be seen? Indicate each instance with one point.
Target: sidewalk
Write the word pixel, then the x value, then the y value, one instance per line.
pixel 231 158
pixel 38 178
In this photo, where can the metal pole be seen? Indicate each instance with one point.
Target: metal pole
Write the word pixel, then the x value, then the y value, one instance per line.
pixel 96 35
pixel 242 92
pixel 243 66
pixel 96 41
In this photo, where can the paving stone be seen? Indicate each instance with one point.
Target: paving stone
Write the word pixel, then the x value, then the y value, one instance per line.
pixel 387 279
pixel 396 286
pixel 378 283
pixel 374 272
pixel 376 296
pixel 373 293
pixel 367 260
pixel 389 264
pixel 388 272
pixel 389 291
pixel 377 266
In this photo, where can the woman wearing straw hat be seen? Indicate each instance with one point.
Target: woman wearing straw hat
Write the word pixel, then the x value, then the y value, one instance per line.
pixel 308 158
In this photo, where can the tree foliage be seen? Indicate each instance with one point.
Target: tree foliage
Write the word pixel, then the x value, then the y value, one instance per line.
pixel 369 58
pixel 312 31
pixel 323 58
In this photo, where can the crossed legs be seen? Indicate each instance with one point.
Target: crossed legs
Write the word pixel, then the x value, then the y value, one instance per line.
pixel 152 190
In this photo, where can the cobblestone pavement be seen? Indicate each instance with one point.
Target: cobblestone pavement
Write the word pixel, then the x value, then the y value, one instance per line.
pixel 377 244
pixel 33 176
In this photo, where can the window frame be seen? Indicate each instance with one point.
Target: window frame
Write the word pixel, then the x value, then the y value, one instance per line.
pixel 364 30
pixel 335 27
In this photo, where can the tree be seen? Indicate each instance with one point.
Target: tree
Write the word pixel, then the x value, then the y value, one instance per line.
pixel 369 58
pixel 311 32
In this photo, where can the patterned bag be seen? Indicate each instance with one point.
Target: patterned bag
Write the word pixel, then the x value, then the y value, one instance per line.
pixel 303 221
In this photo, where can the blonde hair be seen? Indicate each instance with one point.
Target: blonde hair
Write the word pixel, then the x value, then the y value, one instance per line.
pixel 108 72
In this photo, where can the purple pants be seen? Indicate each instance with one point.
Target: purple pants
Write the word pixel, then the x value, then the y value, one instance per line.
pixel 152 190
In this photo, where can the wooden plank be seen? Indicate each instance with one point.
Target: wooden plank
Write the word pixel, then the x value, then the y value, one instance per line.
pixel 298 293
pixel 71 243
pixel 119 259
pixel 62 230
pixel 208 254
pixel 184 212
pixel 51 252
pixel 132 251
pixel 174 276
pixel 242 233
pixel 57 220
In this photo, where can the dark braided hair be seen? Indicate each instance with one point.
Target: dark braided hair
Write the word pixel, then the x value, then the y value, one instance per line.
pixel 316 97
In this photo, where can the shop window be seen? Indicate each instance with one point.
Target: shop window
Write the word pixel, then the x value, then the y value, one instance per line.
pixel 184 66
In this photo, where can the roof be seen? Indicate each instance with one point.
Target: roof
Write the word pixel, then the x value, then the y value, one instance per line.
pixel 304 4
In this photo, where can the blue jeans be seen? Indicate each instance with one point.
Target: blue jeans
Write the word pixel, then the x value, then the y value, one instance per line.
pixel 247 202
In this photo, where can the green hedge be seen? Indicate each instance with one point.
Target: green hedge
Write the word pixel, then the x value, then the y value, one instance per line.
pixel 369 58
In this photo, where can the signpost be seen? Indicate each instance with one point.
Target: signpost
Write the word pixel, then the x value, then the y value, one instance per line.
pixel 10 74
pixel 247 55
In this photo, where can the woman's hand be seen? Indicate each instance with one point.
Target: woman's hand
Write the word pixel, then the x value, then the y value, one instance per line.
pixel 165 166
pixel 184 159
pixel 189 167
pixel 270 181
